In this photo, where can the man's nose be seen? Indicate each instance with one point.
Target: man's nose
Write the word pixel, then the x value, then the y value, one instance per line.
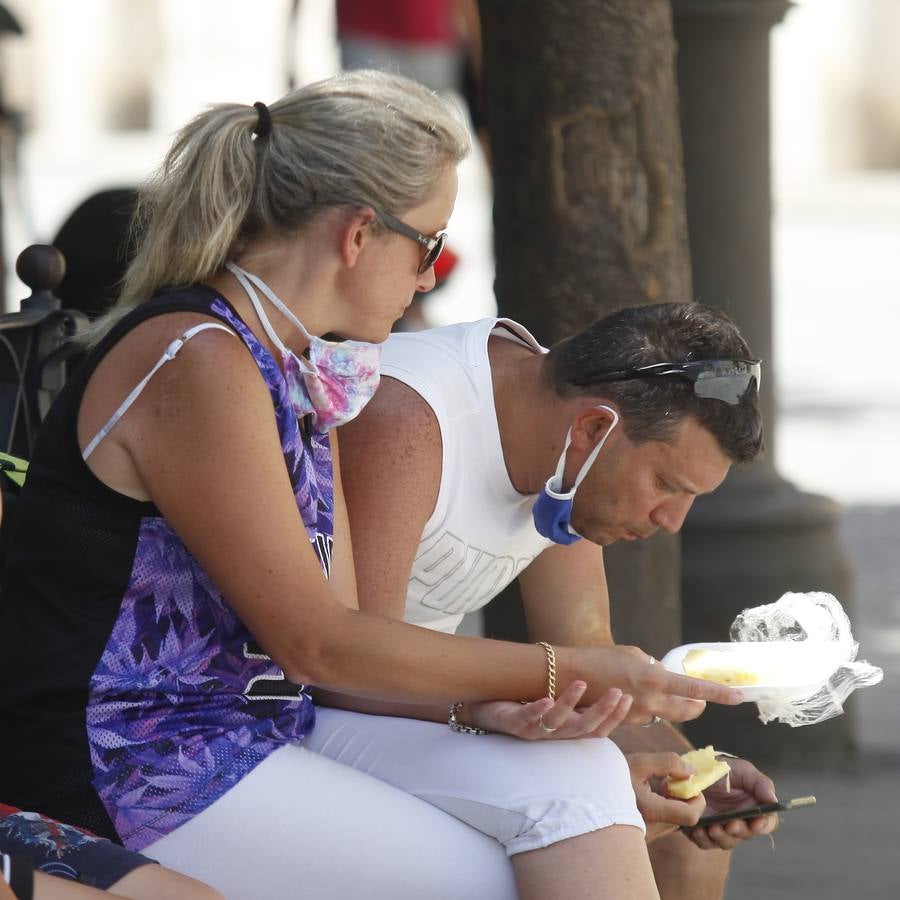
pixel 670 516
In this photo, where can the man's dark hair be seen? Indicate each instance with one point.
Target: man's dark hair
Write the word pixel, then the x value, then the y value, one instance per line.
pixel 653 407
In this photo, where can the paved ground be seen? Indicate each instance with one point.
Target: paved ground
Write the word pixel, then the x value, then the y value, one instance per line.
pixel 847 846
pixel 836 313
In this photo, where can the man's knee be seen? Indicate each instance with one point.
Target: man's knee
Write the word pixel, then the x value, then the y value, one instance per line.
pixel 685 872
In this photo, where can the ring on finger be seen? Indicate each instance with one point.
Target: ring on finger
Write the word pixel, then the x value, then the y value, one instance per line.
pixel 654 721
pixel 546 728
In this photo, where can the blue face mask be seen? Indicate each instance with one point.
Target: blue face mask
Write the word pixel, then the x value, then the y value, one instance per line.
pixel 552 511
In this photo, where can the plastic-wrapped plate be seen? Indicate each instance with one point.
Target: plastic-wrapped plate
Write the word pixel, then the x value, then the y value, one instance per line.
pixel 761 670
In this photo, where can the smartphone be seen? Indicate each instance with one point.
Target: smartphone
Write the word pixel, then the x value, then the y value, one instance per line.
pixel 751 812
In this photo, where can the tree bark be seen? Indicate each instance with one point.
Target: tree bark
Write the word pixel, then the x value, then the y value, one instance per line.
pixel 589 211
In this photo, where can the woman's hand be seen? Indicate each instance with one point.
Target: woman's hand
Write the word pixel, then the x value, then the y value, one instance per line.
pixel 749 787
pixel 656 691
pixel 663 814
pixel 548 720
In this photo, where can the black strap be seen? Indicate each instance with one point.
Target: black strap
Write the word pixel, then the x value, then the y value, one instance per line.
pixel 21 876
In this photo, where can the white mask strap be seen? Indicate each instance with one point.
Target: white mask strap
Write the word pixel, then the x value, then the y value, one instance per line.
pixel 556 481
pixel 554 485
pixel 590 460
pixel 278 302
pixel 242 277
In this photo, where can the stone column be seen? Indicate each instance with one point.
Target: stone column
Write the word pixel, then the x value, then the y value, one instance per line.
pixel 757 536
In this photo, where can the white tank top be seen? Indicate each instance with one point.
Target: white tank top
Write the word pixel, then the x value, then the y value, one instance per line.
pixel 481 534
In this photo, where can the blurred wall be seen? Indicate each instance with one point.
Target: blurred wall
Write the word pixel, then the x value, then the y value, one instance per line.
pixel 835 103
pixel 103 84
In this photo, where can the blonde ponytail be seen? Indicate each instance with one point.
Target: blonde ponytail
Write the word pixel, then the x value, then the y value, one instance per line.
pixel 372 137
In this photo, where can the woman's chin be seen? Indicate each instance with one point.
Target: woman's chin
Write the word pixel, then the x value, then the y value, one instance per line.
pixel 367 336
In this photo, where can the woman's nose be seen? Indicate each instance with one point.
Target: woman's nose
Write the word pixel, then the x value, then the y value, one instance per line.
pixel 426 280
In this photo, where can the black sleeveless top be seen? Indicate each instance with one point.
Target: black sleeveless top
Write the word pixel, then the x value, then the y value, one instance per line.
pixel 131 696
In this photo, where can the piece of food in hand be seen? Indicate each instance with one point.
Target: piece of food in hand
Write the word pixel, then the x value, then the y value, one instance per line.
pixel 708 770
pixel 718 666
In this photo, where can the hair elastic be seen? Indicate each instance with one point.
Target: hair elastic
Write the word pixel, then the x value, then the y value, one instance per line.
pixel 264 121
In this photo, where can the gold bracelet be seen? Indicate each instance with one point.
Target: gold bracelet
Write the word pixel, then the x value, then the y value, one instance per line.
pixel 551 668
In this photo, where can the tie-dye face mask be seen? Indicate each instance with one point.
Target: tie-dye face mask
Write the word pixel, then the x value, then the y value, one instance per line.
pixel 337 380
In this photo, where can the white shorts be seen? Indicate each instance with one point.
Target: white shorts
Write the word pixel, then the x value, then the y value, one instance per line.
pixel 379 807
pixel 302 827
pixel 524 794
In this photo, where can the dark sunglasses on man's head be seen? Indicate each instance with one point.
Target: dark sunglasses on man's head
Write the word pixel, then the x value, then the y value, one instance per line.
pixel 433 245
pixel 717 379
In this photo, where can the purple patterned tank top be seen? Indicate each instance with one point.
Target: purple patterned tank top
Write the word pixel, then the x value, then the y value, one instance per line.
pixel 183 703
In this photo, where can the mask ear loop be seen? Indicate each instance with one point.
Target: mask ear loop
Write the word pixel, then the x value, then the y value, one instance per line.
pixel 278 302
pixel 555 480
pixel 245 278
pixel 242 278
pixel 590 460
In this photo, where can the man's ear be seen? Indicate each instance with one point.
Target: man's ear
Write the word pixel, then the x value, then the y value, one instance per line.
pixel 356 231
pixel 591 425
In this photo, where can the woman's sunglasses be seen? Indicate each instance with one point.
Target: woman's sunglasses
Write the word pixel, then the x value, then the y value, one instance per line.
pixel 433 245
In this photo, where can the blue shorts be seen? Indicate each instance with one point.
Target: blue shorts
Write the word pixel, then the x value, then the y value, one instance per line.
pixel 65 851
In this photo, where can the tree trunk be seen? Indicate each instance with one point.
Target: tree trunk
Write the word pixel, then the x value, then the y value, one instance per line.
pixel 589 211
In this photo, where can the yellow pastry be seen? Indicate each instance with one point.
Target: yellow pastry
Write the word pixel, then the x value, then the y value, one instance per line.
pixel 708 770
pixel 717 665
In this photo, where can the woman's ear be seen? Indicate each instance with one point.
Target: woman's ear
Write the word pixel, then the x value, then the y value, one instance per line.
pixel 356 231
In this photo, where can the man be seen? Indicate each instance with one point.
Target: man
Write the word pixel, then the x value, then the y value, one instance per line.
pixel 446 477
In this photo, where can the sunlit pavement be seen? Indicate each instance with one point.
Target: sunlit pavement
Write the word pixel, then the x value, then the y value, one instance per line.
pixel 846 845
pixel 837 318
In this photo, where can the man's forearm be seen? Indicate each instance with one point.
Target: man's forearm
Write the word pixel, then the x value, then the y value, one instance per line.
pixel 591 632
pixel 428 713
pixel 660 737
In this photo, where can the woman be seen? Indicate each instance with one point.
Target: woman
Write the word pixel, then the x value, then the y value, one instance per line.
pixel 166 600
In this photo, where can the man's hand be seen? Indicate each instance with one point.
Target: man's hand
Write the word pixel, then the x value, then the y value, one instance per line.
pixel 562 720
pixel 749 787
pixel 663 814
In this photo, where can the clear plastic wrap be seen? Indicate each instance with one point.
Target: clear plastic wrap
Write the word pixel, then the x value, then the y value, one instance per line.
pixel 818 621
